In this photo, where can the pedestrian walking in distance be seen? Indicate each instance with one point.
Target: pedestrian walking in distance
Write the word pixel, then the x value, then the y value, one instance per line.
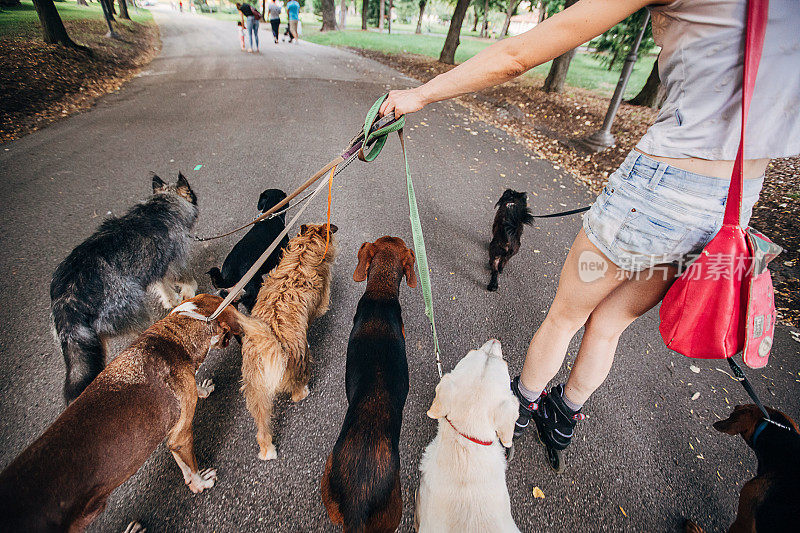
pixel 241 34
pixel 274 12
pixel 250 18
pixel 293 9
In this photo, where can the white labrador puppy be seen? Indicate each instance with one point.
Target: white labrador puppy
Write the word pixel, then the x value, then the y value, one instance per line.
pixel 463 487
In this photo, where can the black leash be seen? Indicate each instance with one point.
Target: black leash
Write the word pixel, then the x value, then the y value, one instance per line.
pixel 741 378
pixel 564 213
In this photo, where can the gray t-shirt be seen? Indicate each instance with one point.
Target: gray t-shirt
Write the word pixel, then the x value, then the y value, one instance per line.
pixel 274 10
pixel 701 66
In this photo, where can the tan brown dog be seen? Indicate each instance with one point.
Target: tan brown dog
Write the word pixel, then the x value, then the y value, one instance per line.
pixel 770 501
pixel 275 356
pixel 361 486
pixel 148 392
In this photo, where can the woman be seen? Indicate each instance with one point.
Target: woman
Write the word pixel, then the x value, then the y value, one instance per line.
pixel 250 24
pixel 274 18
pixel 666 200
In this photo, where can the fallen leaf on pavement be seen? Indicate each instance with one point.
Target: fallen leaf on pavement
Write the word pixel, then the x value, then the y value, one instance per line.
pixel 537 492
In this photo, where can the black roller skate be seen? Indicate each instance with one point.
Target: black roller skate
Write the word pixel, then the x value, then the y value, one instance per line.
pixel 555 423
pixel 526 408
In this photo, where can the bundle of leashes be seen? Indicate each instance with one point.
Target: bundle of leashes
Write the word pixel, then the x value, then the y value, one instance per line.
pixel 366 146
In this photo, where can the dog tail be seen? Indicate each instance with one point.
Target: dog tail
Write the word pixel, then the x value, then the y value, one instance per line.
pixel 370 468
pixel 216 279
pixel 81 346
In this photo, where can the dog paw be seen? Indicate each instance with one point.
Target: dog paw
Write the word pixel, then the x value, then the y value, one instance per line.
pixel 268 454
pixel 135 527
pixel 302 394
pixel 202 480
pixel 492 287
pixel 205 388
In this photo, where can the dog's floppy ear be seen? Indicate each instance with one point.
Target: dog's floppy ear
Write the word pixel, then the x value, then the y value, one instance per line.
pixel 441 401
pixel 743 419
pixel 408 268
pixel 263 201
pixel 505 417
pixel 365 255
pixel 228 322
pixel 158 184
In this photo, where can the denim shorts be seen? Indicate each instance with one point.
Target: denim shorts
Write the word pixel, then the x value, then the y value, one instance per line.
pixel 651 213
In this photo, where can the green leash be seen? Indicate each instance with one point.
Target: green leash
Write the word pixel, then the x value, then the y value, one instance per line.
pixel 379 138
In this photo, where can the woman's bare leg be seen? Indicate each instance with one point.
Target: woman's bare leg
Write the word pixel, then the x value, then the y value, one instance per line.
pixel 610 318
pixel 586 279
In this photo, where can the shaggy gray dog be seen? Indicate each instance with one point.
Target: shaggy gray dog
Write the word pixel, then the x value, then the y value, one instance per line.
pixel 98 291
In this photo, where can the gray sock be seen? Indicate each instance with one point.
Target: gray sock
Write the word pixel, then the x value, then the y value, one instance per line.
pixel 569 403
pixel 527 393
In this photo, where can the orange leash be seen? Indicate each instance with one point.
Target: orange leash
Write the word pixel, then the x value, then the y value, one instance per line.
pixel 330 198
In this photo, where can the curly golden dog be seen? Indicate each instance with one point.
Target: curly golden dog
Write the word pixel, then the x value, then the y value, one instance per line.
pixel 275 355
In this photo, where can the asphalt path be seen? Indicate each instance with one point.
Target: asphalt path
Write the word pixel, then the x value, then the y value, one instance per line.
pixel 646 456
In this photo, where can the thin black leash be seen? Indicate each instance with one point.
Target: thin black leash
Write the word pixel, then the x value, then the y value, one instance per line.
pixel 564 213
pixel 741 378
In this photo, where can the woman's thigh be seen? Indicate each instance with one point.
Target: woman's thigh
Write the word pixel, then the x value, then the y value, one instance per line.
pixel 633 298
pixel 587 278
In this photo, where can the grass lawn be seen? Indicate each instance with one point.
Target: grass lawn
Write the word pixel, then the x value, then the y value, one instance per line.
pixel 585 70
pixel 23 17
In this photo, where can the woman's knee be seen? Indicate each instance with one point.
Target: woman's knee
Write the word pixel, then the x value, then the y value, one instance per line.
pixel 565 319
pixel 601 325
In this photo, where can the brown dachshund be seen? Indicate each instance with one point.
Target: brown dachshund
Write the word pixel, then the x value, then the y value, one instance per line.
pixel 61 482
pixel 361 485
pixel 770 501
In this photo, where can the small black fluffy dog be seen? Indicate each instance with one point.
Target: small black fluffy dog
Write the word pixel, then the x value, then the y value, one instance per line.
pixel 512 213
pixel 99 290
pixel 249 249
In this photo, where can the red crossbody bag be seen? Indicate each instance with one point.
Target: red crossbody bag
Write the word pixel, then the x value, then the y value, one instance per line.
pixel 724 302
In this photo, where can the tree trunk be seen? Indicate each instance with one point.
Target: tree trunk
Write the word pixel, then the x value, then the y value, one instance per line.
pixel 389 18
pixel 343 15
pixel 653 93
pixel 381 14
pixel 328 15
pixel 512 6
pixel 52 26
pixel 558 71
pixel 475 17
pixel 542 11
pixel 107 12
pixel 422 4
pixel 364 6
pixel 452 41
pixel 123 10
pixel 485 25
pixel 108 17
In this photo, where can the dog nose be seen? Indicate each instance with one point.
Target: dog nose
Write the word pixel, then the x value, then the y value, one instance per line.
pixel 493 348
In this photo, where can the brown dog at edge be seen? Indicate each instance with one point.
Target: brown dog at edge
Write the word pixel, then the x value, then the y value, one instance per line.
pixel 769 502
pixel 361 484
pixel 148 392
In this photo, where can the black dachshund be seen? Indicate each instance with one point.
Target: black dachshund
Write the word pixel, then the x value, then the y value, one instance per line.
pixel 249 249
pixel 512 213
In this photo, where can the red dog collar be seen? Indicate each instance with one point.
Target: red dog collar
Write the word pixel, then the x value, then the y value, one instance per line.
pixel 472 439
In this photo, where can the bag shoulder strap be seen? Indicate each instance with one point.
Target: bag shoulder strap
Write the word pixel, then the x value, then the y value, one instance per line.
pixel 757 15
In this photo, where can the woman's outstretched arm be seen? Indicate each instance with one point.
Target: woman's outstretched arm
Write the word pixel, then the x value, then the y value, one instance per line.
pixel 514 56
